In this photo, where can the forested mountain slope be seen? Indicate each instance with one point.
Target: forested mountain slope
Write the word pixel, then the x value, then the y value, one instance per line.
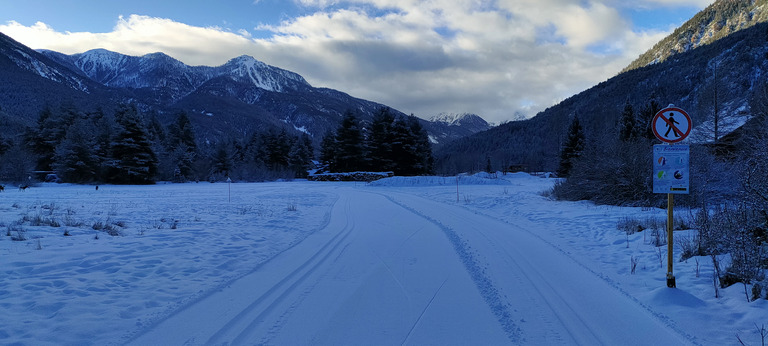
pixel 719 20
pixel 724 75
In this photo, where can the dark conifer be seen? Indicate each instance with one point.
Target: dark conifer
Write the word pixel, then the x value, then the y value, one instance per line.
pixel 627 124
pixel 133 161
pixel 300 156
pixel 182 148
pixel 328 150
pixel 573 147
pixel 222 160
pixel 349 141
pixel 381 157
pixel 76 160
pixel 422 146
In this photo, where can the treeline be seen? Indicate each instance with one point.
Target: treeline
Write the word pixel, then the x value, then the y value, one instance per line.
pixel 129 147
pixel 397 144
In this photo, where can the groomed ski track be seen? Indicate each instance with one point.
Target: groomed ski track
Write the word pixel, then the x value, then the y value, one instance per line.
pixel 394 268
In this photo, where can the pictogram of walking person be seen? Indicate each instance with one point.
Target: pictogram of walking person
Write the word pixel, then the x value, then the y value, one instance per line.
pixel 670 125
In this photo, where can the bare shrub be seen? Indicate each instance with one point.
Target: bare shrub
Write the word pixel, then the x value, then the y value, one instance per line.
pixel 40 218
pixel 16 232
pixel 633 264
pixel 629 225
pixel 49 208
pixel 658 237
pixel 109 227
pixel 69 221
pixel 739 231
pixel 688 245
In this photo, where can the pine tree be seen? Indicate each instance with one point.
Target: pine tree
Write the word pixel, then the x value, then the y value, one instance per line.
pixel 181 132
pixel 379 144
pixel 328 150
pixel 182 147
pixel 574 145
pixel 646 118
pixel 423 147
pixel 133 161
pixel 104 130
pixel 76 160
pixel 627 126
pixel 40 143
pixel 350 156
pixel 222 160
pixel 300 156
pixel 404 148
pixel 275 150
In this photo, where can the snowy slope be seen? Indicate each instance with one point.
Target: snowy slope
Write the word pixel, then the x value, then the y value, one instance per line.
pixel 473 260
pixel 32 61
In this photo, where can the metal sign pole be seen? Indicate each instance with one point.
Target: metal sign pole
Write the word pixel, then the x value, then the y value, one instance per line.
pixel 670 242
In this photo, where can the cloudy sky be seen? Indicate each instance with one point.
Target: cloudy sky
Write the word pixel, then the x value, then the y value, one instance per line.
pixel 496 58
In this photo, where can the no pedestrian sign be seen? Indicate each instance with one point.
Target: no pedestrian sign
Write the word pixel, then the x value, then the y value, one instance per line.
pixel 671 125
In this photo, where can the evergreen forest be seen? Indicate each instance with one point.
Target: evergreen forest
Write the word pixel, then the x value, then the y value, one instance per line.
pixel 128 146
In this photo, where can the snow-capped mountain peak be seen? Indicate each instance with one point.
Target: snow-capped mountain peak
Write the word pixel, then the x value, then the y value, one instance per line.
pixel 453 119
pixel 247 69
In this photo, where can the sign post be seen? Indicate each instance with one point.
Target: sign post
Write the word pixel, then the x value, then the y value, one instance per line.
pixel 671 167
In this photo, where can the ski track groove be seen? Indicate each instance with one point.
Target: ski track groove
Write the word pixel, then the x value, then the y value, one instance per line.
pixel 133 336
pixel 546 297
pixel 304 271
pixel 394 278
pixel 429 303
pixel 484 283
pixel 659 316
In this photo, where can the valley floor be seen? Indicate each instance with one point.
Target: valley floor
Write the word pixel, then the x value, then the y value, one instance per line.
pixel 399 261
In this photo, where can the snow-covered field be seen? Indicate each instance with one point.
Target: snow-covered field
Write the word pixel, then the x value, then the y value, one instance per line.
pixel 398 261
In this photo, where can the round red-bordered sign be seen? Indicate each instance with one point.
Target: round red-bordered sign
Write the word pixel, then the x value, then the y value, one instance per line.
pixel 671 125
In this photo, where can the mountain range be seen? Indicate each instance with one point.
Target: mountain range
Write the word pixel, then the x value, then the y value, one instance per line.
pixel 715 63
pixel 242 96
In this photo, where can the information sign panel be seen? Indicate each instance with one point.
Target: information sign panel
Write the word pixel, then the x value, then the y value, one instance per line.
pixel 670 168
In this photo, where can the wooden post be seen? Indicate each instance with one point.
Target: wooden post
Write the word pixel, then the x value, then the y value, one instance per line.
pixel 457 188
pixel 670 241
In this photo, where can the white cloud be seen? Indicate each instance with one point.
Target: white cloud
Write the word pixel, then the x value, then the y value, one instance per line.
pixel 696 3
pixel 138 35
pixel 493 58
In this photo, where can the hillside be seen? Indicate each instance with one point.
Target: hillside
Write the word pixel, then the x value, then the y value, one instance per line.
pixel 722 18
pixel 724 75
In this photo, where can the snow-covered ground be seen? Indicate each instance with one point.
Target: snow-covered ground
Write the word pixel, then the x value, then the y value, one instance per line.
pixel 398 261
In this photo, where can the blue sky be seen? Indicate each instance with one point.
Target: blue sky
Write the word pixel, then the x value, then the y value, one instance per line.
pixel 496 58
